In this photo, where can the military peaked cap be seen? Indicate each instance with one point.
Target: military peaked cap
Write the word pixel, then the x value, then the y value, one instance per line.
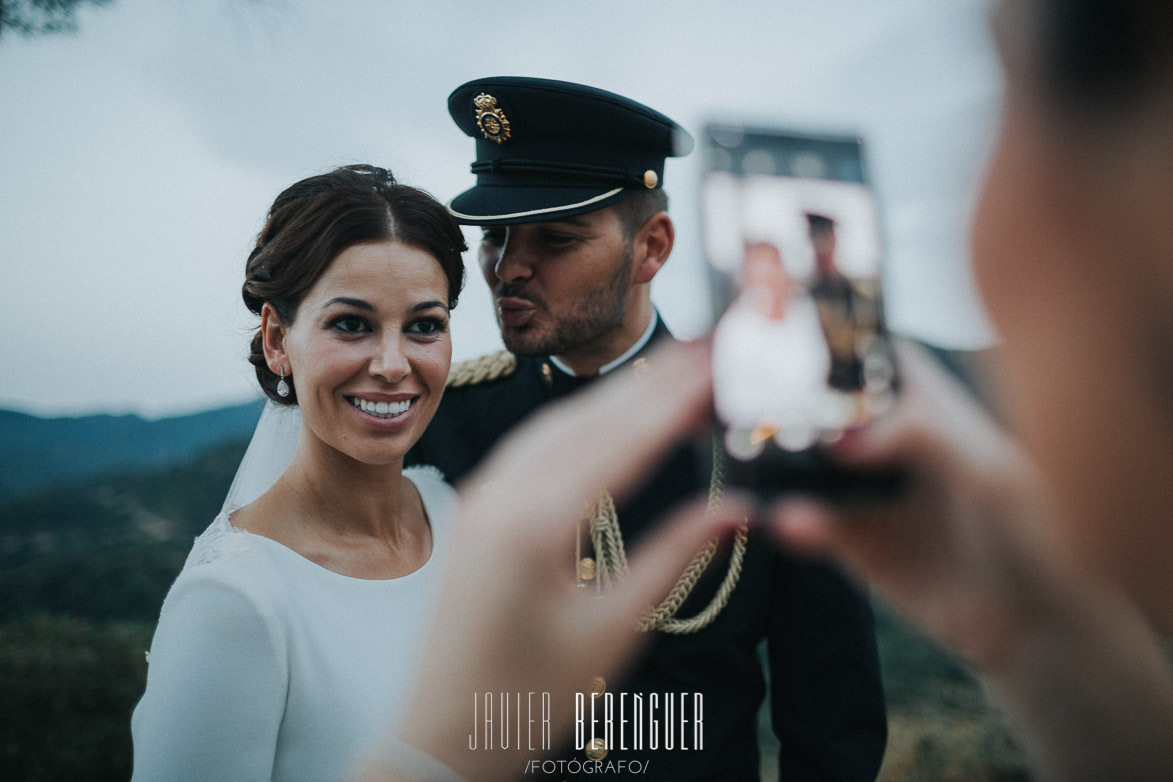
pixel 550 149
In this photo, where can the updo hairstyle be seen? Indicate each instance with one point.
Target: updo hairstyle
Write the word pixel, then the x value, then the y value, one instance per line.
pixel 316 219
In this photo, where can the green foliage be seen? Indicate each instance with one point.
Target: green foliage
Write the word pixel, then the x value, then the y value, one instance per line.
pixel 40 17
pixel 77 562
pixel 111 582
pixel 931 745
pixel 942 725
pixel 69 687
pixel 916 669
pixel 108 548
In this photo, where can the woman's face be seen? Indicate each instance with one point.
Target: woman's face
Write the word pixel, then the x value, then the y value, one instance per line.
pixel 1065 258
pixel 370 350
pixel 764 278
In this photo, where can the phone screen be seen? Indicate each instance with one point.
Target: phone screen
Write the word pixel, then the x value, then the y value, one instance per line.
pixel 794 251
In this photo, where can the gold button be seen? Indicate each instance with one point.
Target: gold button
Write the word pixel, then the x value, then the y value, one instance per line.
pixel 596 750
pixel 586 568
pixel 547 374
pixel 639 366
pixel 598 685
pixel 651 179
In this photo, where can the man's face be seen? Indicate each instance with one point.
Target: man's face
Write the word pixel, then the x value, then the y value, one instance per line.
pixel 824 245
pixel 559 286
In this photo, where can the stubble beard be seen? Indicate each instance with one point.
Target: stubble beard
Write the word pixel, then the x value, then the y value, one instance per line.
pixel 587 321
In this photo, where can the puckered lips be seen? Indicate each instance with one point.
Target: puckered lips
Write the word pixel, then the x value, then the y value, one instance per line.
pixel 385 411
pixel 515 312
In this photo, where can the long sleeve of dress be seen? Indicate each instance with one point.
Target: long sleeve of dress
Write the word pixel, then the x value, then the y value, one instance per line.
pixel 216 685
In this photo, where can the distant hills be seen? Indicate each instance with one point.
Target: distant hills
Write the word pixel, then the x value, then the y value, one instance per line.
pixel 36 453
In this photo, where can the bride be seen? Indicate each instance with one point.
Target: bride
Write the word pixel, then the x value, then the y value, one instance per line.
pixel 293 630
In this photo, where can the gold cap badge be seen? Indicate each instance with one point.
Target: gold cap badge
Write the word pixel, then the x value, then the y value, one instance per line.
pixel 490 119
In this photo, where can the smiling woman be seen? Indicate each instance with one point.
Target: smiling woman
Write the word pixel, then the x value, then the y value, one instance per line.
pixel 294 629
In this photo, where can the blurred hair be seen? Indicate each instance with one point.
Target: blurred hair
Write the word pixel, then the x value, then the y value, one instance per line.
pixel 313 221
pixel 1105 56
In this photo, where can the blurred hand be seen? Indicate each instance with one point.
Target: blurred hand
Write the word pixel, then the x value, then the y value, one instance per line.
pixel 510 618
pixel 962 552
pixel 966 554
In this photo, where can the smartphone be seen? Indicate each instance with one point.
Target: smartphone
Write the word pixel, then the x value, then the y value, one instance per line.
pixel 800 352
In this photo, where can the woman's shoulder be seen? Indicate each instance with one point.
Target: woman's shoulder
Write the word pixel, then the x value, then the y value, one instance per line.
pixel 226 567
pixel 216 542
pixel 421 474
pixel 220 542
pixel 440 499
pixel 226 556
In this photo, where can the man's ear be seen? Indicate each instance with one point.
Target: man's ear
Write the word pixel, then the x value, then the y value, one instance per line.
pixel 652 245
pixel 273 341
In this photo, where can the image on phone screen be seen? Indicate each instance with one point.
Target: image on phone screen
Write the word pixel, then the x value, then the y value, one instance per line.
pixel 793 244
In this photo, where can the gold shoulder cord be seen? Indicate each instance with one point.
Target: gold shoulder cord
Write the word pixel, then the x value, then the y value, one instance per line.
pixel 607 537
pixel 612 562
pixel 482 369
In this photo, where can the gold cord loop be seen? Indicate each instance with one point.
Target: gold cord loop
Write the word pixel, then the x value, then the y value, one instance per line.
pixel 611 562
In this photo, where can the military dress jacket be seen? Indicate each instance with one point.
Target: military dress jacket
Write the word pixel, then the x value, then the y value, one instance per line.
pixel 826 701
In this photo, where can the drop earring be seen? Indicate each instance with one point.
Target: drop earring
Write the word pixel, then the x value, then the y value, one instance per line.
pixel 282 386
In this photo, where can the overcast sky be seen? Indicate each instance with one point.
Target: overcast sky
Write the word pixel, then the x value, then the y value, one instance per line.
pixel 138 157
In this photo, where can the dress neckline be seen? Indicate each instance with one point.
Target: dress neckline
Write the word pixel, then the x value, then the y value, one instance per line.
pixel 292 554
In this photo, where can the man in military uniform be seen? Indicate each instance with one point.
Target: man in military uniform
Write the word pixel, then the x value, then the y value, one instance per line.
pixel 569 195
pixel 846 312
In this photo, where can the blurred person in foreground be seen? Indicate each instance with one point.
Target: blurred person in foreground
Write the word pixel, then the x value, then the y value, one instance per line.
pixel 1044 560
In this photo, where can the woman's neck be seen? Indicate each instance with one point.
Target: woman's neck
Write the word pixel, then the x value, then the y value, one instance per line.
pixel 345 497
pixel 360 520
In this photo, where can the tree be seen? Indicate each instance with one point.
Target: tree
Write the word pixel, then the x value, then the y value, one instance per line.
pixel 69 689
pixel 41 17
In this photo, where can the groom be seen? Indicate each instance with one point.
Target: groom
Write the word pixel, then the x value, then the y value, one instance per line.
pixel 569 195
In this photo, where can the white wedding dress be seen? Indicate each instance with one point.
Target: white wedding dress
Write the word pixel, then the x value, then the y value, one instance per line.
pixel 267 666
pixel 774 372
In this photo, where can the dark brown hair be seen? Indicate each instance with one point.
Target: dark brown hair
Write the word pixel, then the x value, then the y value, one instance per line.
pixel 314 220
pixel 637 209
pixel 1104 56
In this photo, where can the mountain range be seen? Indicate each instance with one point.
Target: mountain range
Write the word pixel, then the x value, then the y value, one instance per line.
pixel 36 452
